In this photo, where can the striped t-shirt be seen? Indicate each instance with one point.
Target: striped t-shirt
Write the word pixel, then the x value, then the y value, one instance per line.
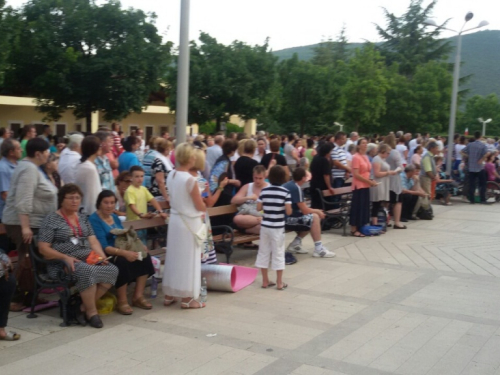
pixel 338 154
pixel 273 200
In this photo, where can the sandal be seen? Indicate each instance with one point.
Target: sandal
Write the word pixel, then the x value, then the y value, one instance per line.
pixel 124 309
pixel 268 285
pixel 168 302
pixel 11 336
pixel 396 227
pixel 359 234
pixel 142 303
pixel 16 306
pixel 283 287
pixel 187 305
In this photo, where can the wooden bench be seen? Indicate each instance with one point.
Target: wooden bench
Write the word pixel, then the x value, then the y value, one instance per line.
pixel 339 210
pixel 230 236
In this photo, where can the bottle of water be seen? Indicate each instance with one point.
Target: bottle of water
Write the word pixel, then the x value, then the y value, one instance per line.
pixel 203 290
pixel 154 287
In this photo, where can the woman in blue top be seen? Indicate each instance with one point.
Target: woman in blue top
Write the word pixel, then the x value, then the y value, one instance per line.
pixel 128 158
pixel 129 267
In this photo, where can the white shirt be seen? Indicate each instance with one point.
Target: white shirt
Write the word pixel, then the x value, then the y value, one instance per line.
pixel 67 165
pixel 87 178
pixel 257 156
pixel 402 149
pixel 213 153
pixel 413 144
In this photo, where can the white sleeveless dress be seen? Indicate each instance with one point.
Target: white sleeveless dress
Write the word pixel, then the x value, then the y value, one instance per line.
pixel 182 274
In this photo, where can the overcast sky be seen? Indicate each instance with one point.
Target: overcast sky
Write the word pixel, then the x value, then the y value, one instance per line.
pixel 298 22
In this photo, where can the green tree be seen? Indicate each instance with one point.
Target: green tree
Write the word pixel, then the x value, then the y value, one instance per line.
pixel 310 96
pixel 406 40
pixel 9 28
pixel 224 80
pixel 330 52
pixel 365 89
pixel 485 107
pixel 75 54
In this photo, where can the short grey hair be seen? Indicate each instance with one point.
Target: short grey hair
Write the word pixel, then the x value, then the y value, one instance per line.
pixel 102 135
pixel 8 145
pixel 409 168
pixel 432 145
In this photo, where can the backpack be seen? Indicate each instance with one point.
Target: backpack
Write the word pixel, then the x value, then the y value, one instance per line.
pixel 371 230
pixel 425 214
pixel 382 218
pixel 73 309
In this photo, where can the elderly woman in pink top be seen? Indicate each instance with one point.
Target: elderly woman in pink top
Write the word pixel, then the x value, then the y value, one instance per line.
pixel 361 183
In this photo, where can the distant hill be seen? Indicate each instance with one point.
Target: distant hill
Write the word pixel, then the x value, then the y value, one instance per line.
pixel 480 57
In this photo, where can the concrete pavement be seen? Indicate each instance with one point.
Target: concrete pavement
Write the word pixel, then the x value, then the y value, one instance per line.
pixel 425 300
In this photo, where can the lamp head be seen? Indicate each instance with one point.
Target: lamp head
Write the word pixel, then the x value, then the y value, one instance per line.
pixel 430 22
pixel 469 16
pixel 483 23
pixel 480 119
pixel 489 120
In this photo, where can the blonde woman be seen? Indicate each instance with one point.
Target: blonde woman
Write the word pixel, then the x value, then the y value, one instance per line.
pixel 210 257
pixel 182 276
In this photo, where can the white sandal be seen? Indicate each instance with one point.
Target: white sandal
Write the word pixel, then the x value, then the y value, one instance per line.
pixel 168 302
pixel 187 305
pixel 11 336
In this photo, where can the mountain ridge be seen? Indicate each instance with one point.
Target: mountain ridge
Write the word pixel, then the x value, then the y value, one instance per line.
pixel 480 52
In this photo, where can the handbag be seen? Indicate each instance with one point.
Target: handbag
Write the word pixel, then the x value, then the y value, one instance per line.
pixel 127 239
pixel 200 236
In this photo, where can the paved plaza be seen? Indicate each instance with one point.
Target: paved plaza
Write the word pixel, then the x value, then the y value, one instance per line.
pixel 420 301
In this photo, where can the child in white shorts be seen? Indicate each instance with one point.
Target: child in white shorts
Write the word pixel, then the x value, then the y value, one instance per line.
pixel 276 201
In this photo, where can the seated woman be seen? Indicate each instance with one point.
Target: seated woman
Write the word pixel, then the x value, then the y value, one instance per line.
pixel 248 218
pixel 68 236
pixel 491 170
pixel 122 183
pixel 130 269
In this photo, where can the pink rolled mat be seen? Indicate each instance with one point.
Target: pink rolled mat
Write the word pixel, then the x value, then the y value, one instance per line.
pixel 228 277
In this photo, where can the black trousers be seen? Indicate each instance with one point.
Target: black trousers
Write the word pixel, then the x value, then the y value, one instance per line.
pixel 409 202
pixel 480 178
pixel 7 289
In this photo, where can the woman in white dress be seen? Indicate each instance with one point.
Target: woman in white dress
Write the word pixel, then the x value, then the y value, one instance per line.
pixel 182 276
pixel 381 172
pixel 86 174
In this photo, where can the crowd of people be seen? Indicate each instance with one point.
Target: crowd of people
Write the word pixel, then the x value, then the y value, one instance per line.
pixel 70 196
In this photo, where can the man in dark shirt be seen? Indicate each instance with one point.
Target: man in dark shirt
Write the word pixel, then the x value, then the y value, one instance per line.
pixel 274 158
pixel 304 220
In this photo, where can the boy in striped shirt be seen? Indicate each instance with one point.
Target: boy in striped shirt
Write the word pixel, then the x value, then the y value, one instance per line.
pixel 276 201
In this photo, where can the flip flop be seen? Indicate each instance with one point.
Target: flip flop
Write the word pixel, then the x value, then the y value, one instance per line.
pixel 285 285
pixel 268 285
pixel 403 227
pixel 359 234
pixel 11 336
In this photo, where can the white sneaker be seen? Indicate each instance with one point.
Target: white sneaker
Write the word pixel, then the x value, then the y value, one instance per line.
pixel 296 248
pixel 323 253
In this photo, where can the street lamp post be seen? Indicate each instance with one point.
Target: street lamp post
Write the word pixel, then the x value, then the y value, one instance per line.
pixel 181 113
pixel 456 74
pixel 480 119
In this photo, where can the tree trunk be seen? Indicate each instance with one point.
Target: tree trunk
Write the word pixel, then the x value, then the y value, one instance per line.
pixel 217 124
pixel 88 120
pixel 302 125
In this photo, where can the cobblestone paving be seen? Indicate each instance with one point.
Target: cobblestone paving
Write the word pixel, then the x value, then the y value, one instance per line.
pixel 425 300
